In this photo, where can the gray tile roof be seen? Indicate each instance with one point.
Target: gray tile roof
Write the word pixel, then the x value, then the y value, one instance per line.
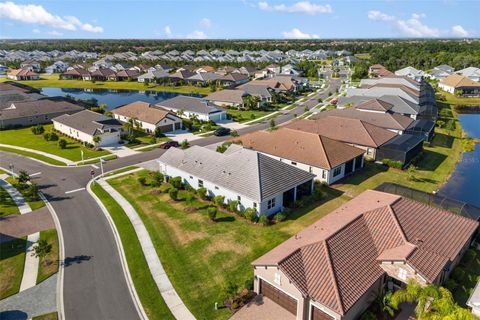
pixel 88 122
pixel 244 171
pixel 37 108
pixel 192 104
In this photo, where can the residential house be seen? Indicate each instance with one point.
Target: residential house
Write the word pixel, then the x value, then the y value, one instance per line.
pixel 86 125
pixel 127 75
pixel 152 76
pixel 31 65
pixel 27 111
pixel 377 70
pixel 227 98
pixel 203 78
pixel 204 69
pixel 181 75
pixel 471 73
pixel 102 74
pixel 233 79
pixel 329 160
pixel 264 92
pixel 440 72
pixel 23 74
pixel 288 69
pixel 458 84
pixel 273 69
pixel 411 73
pixel 247 70
pixel 188 107
pixel 338 266
pixel 76 74
pixel 253 179
pixel 148 117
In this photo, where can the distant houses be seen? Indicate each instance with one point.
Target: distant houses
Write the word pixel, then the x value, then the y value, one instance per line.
pixel 23 74
pixel 461 85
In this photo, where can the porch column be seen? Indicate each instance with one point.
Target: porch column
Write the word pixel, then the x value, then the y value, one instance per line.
pixel 312 187
pixel 295 194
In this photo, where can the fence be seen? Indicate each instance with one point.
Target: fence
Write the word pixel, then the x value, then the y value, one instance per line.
pixel 434 200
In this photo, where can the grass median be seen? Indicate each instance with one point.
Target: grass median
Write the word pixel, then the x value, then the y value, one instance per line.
pixel 33 155
pixel 7 205
pixel 48 265
pixel 12 262
pixel 147 290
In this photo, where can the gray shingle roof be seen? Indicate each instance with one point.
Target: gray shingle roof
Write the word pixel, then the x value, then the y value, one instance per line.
pixel 246 172
pixel 88 122
pixel 37 107
pixel 192 104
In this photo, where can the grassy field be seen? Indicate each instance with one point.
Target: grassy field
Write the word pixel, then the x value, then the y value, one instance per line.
pixel 439 161
pixel 147 290
pixel 23 137
pixel 33 155
pixel 144 139
pixel 34 205
pixel 7 205
pixel 200 257
pixel 453 100
pixel 48 316
pixel 12 260
pixel 48 265
pixel 54 81
pixel 244 115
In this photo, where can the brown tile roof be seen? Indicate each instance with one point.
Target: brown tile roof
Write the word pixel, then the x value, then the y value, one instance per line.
pixel 142 111
pixel 457 80
pixel 335 260
pixel 385 120
pixel 346 130
pixel 301 146
pixel 22 73
pixel 380 71
pixel 77 72
pixel 206 68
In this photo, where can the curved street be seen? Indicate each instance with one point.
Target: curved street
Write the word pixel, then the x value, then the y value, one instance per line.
pixel 94 282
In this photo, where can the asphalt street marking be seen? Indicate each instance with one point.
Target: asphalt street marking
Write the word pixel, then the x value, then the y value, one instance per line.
pixel 71 191
pixel 35 174
pixel 94 166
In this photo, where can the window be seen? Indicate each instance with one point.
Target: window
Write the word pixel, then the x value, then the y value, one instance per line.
pixel 271 203
pixel 324 174
pixel 294 163
pixel 278 278
pixel 310 169
pixel 337 171
pixel 200 183
pixel 254 204
pixel 402 274
pixel 216 188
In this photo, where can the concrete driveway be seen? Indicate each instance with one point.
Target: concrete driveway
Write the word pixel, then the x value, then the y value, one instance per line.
pixel 261 308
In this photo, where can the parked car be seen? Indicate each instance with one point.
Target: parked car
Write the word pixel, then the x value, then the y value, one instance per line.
pixel 169 144
pixel 221 132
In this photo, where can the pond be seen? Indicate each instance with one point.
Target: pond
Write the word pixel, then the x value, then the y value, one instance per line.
pixel 113 98
pixel 464 184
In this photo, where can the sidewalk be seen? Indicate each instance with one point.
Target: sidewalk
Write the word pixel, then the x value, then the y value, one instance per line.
pixel 172 299
pixel 30 269
pixel 46 154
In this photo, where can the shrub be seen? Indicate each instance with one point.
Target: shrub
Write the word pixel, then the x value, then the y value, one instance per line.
pixel 38 129
pixel 53 136
pixel 368 316
pixel 142 181
pixel 157 179
pixel 173 193
pixel 470 255
pixel 32 192
pixel 176 182
pixel 279 217
pixel 263 220
pixel 392 163
pixel 251 214
pixel 458 274
pixel 234 133
pixel 184 145
pixel 248 284
pixel 451 284
pixel 158 133
pixel 152 140
pixel 46 136
pixel 233 205
pixel 190 189
pixel 62 143
pixel 188 198
pixel 202 193
pixel 212 213
pixel 219 200
pixel 23 176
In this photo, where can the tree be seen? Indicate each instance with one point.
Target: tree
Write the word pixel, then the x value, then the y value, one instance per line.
pixel 251 102
pixel 212 213
pixel 184 144
pixel 97 139
pixel 272 124
pixel 176 182
pixel 384 303
pixel 23 176
pixel 38 129
pixel 173 193
pixel 42 249
pixel 157 179
pixel 411 172
pixel 62 143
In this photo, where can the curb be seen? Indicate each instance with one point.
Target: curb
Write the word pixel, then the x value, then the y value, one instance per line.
pixel 61 257
pixel 121 252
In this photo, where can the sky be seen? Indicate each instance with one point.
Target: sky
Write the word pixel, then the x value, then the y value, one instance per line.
pixel 238 19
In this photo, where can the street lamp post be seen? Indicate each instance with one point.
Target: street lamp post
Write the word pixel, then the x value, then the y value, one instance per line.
pixel 101 166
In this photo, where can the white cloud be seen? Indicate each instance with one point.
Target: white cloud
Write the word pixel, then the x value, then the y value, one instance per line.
pixel 168 31
pixel 36 31
pixel 36 14
pixel 414 27
pixel 197 34
pixel 55 33
pixel 377 15
pixel 295 33
pixel 298 7
pixel 205 22
pixel 459 31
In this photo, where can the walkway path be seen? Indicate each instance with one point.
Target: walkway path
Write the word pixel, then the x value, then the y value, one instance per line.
pixel 172 299
pixel 30 269
pixel 46 154
pixel 119 150
pixel 33 302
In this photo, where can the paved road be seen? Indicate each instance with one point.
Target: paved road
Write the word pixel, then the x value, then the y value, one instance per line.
pixel 94 284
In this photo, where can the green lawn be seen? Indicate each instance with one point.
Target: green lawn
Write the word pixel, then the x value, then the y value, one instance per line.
pixel 24 137
pixel 200 257
pixel 147 290
pixel 246 115
pixel 454 100
pixel 33 155
pixel 12 260
pixel 53 81
pixel 48 316
pixel 48 265
pixel 7 205
pixel 438 163
pixel 471 268
pixel 144 139
pixel 34 205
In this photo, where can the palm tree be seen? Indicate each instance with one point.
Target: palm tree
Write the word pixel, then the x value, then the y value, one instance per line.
pixel 97 139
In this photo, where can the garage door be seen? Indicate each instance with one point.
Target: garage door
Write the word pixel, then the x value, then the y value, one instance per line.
pixel 318 314
pixel 278 297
